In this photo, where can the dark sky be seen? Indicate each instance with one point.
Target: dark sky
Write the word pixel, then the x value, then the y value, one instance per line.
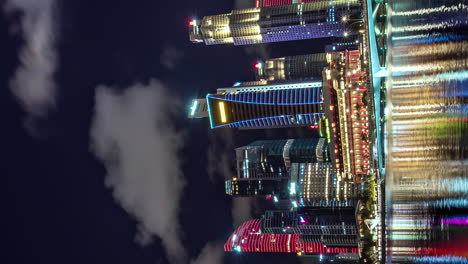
pixel 96 146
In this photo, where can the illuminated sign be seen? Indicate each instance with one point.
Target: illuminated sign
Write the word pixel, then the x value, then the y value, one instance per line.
pixel 222 112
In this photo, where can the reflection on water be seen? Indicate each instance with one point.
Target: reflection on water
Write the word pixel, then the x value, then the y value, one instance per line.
pixel 427 184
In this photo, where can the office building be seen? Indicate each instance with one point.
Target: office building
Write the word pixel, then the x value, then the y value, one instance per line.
pixel 264 3
pixel 263 106
pixel 299 67
pixel 254 187
pixel 319 19
pixel 309 230
pixel 271 159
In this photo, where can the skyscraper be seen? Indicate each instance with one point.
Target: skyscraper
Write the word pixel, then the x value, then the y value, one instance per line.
pixel 299 67
pixel 255 187
pixel 332 231
pixel 263 106
pixel 264 3
pixel 319 19
pixel 271 159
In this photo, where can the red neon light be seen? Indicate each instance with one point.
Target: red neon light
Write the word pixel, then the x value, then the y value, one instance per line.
pixel 257 66
pixel 191 23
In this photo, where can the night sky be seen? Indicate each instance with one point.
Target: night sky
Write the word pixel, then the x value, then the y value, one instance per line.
pixel 100 163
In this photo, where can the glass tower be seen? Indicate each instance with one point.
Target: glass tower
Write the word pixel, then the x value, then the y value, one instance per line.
pixel 299 67
pixel 318 19
pixel 271 159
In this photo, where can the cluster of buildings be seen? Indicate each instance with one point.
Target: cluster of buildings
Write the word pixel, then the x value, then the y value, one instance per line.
pixel 314 183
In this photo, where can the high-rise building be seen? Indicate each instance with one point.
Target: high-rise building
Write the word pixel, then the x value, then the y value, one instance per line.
pixel 271 159
pixel 319 19
pixel 309 230
pixel 317 184
pixel 255 187
pixel 263 106
pixel 299 67
pixel 329 226
pixel 264 3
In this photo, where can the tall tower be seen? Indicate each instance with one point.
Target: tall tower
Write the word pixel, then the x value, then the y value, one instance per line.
pixel 271 159
pixel 264 3
pixel 294 232
pixel 319 19
pixel 255 187
pixel 265 106
pixel 299 67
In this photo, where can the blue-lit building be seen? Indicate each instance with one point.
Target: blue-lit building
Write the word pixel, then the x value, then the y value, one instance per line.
pixel 318 19
pixel 263 106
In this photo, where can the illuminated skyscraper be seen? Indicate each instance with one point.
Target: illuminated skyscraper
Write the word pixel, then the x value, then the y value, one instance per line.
pixel 317 184
pixel 263 106
pixel 264 3
pixel 309 230
pixel 299 67
pixel 319 19
pixel 271 159
pixel 255 187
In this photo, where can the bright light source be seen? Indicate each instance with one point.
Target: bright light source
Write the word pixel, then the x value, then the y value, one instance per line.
pixel 292 188
pixel 194 107
pixel 191 23
pixel 302 220
pixel 294 203
pixel 275 199
pixel 237 84
pixel 234 237
pixel 345 34
pixel 222 112
pixel 333 48
pixel 258 65
pixel 344 18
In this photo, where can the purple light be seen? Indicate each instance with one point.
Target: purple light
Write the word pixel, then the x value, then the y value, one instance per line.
pixel 462 220
pixel 302 220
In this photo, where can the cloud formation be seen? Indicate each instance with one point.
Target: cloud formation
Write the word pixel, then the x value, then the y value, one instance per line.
pixel 221 155
pixel 212 253
pixel 133 135
pixel 33 83
pixel 170 57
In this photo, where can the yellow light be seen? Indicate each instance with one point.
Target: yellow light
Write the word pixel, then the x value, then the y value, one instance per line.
pixel 222 112
pixel 234 179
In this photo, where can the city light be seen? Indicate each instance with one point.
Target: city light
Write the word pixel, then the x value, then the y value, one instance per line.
pixel 258 65
pixel 292 188
pixel 191 23
pixel 222 112
pixel 194 107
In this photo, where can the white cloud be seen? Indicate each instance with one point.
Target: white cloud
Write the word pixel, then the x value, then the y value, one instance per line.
pixel 170 57
pixel 133 136
pixel 221 154
pixel 33 83
pixel 212 253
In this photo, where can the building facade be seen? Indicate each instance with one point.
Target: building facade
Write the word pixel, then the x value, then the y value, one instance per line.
pixel 310 230
pixel 299 67
pixel 345 94
pixel 266 106
pixel 318 19
pixel 264 3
